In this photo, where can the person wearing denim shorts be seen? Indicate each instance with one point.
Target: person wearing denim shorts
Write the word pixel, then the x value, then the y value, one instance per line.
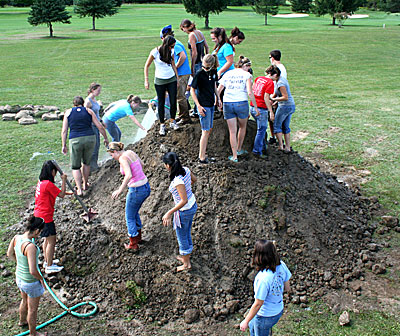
pixel 238 87
pixel 270 282
pixel 263 87
pixel 204 93
pixel 81 141
pixel 24 251
pixel 185 207
pixel 139 190
pixel 286 108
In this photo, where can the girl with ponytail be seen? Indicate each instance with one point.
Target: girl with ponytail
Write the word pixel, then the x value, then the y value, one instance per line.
pixel 184 209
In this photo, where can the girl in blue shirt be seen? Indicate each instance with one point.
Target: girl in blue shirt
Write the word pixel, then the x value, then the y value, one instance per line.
pixel 224 50
pixel 270 282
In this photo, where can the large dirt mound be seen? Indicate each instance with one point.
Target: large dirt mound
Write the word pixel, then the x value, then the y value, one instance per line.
pixel 321 229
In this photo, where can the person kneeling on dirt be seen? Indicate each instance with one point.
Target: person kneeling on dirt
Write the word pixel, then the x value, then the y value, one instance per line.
pixel 23 250
pixel 45 198
pixel 81 141
pixel 184 209
pixel 139 190
pixel 270 282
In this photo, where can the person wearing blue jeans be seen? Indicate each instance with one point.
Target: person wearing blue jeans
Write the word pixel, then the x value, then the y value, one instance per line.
pixel 139 190
pixel 286 108
pixel 262 125
pixel 118 110
pixel 270 282
pixel 185 207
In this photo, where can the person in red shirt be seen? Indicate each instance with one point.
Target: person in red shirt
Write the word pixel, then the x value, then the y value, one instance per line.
pixel 262 88
pixel 45 198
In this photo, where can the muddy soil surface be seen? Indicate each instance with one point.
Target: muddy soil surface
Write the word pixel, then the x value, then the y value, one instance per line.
pixel 322 229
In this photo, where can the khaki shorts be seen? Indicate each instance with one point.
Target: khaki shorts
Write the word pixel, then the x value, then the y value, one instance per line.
pixel 81 150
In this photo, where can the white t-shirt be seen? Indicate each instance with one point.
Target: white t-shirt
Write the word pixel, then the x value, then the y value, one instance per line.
pixel 283 70
pixel 234 82
pixel 163 70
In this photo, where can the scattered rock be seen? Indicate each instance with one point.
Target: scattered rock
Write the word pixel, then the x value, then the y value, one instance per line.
pixel 390 221
pixel 6 273
pixel 50 116
pixel 378 269
pixel 344 318
pixel 27 121
pixel 191 315
pixel 9 116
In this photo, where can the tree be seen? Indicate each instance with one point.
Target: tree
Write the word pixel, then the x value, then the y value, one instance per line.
pixel 332 7
pixel 47 12
pixel 96 9
pixel 203 8
pixel 391 6
pixel 264 7
pixel 301 6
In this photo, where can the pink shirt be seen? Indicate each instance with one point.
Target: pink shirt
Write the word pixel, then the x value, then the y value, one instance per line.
pixel 136 170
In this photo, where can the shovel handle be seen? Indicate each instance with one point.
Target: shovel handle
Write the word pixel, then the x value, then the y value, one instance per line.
pixel 71 187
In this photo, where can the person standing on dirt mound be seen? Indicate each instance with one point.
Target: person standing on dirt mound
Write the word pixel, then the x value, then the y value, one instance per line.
pixel 286 108
pixel 270 282
pixel 24 251
pixel 238 87
pixel 81 141
pixel 263 87
pixel 204 94
pixel 165 80
pixel 185 207
pixel 139 190
pixel 94 105
pixel 45 198
pixel 118 110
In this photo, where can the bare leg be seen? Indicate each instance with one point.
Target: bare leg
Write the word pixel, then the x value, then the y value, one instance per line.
pixel 242 132
pixel 76 173
pixel 185 260
pixel 85 176
pixel 50 247
pixel 232 125
pixel 271 128
pixel 280 141
pixel 287 142
pixel 203 144
pixel 23 309
pixel 33 304
pixel 44 250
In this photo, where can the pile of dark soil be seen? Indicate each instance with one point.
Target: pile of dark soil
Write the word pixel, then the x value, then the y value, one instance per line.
pixel 320 226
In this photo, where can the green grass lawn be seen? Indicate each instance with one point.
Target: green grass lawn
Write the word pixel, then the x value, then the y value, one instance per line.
pixel 345 78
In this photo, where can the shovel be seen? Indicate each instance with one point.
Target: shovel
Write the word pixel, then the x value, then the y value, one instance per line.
pixel 89 214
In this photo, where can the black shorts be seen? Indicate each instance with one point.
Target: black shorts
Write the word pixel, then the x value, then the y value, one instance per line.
pixel 49 230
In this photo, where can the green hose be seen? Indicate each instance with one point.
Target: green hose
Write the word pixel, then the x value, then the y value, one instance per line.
pixel 66 309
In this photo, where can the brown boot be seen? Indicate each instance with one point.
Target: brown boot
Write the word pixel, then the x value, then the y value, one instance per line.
pixel 139 236
pixel 133 244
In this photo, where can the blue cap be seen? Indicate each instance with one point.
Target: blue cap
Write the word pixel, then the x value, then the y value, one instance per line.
pixel 166 29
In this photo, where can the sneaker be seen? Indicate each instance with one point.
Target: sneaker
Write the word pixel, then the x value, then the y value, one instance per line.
pixel 272 141
pixel 242 151
pixel 55 262
pixel 174 125
pixel 162 129
pixel 53 269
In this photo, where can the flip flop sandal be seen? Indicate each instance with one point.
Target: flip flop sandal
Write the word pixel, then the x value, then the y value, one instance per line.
pixel 232 159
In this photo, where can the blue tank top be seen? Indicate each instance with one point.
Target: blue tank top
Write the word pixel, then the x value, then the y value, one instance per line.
pixel 95 107
pixel 79 122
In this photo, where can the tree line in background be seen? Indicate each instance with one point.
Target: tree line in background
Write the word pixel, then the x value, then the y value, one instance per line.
pixel 51 11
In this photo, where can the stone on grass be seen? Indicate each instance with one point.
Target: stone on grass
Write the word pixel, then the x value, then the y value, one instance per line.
pixel 390 221
pixel 21 114
pixel 378 269
pixel 50 117
pixel 51 108
pixel 27 121
pixel 344 318
pixel 9 116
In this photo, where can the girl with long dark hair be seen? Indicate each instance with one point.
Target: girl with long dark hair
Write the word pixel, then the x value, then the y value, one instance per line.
pixel 45 198
pixel 185 207
pixel 166 79
pixel 270 282
pixel 224 50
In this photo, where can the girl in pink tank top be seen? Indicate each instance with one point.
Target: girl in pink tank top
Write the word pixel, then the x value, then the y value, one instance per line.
pixel 139 190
